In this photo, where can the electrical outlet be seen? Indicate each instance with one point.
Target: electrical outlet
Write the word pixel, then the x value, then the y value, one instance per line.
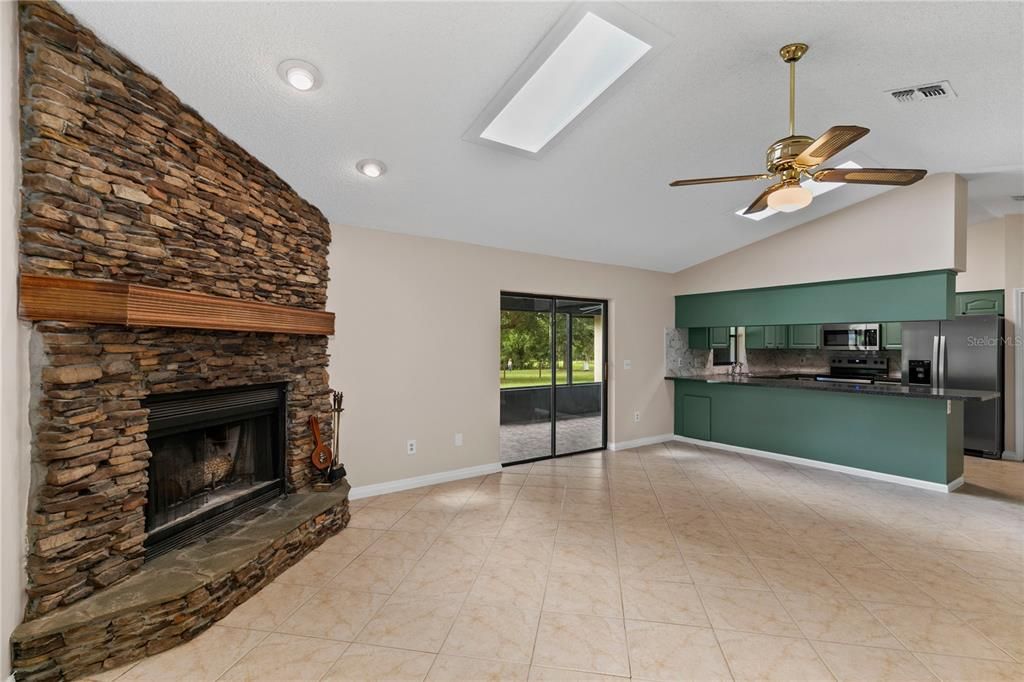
pixel 410 447
pixel 636 416
pixel 458 440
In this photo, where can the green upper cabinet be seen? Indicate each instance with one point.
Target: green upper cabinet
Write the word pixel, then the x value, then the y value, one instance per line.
pixel 892 335
pixel 706 338
pixel 980 302
pixel 781 337
pixel 804 335
pixel 699 337
pixel 754 338
pixel 768 336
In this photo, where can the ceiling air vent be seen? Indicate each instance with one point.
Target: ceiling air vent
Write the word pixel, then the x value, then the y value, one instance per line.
pixel 921 93
pixel 906 95
pixel 1017 197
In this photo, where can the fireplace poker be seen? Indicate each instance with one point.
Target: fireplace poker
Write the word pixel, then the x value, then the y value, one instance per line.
pixel 337 468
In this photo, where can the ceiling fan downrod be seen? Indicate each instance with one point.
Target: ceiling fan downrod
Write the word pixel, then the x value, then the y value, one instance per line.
pixel 791 54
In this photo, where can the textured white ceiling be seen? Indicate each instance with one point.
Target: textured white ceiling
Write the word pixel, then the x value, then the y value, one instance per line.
pixel 403 82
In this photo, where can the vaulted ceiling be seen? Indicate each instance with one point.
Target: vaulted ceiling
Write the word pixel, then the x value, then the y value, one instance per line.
pixel 404 81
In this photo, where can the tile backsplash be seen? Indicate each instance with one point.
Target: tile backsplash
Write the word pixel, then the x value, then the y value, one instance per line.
pixel 681 360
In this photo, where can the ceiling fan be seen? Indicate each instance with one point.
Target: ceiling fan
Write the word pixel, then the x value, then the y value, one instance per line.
pixel 792 158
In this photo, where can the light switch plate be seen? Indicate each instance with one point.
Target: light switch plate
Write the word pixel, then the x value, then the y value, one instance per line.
pixel 627 364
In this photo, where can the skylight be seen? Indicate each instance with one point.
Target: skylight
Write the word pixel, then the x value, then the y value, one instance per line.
pixel 817 188
pixel 584 55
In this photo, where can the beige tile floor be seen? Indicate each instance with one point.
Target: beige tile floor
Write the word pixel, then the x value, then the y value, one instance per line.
pixel 671 562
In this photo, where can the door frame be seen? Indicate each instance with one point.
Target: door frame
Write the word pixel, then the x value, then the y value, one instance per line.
pixel 554 371
pixel 1017 338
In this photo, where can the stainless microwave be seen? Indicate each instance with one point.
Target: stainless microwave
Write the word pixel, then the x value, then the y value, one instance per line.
pixel 849 336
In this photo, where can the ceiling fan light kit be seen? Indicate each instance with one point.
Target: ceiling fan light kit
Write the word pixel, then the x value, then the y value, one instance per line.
pixel 790 198
pixel 795 157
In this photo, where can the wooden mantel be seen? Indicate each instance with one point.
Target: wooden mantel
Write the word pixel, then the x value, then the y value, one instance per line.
pixel 137 305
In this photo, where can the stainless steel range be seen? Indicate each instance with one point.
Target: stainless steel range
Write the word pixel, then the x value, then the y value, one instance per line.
pixel 852 368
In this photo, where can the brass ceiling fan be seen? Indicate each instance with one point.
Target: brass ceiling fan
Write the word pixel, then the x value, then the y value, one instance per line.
pixel 794 157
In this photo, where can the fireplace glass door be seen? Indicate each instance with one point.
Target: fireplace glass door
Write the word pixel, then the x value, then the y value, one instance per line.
pixel 215 455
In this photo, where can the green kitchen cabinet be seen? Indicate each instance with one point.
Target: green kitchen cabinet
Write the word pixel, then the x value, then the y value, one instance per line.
pixel 720 337
pixel 696 417
pixel 980 302
pixel 804 335
pixel 706 338
pixel 754 338
pixel 766 336
pixel 776 336
pixel 700 338
pixel 892 335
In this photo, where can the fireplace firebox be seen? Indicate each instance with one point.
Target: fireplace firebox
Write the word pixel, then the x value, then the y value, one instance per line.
pixel 216 454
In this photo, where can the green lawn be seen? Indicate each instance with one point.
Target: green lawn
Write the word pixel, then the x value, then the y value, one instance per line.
pixel 521 378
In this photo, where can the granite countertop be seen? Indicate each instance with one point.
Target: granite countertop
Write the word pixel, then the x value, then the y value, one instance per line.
pixel 897 390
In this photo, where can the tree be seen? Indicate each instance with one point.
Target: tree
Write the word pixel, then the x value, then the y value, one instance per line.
pixel 525 338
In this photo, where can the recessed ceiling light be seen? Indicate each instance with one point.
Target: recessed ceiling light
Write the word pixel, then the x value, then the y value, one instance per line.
pixel 815 188
pixel 301 75
pixel 371 168
pixel 584 56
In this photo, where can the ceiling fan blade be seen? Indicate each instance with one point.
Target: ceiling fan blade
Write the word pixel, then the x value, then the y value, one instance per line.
pixel 761 202
pixel 727 178
pixel 829 143
pixel 870 176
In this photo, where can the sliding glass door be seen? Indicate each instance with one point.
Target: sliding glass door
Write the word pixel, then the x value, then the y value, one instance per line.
pixel 552 376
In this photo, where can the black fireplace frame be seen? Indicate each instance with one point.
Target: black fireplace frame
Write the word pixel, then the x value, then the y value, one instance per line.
pixel 170 415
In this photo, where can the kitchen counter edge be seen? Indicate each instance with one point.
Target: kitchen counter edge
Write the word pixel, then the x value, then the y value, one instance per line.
pixel 896 391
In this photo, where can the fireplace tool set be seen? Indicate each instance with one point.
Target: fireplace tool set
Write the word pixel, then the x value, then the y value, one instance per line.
pixel 325 459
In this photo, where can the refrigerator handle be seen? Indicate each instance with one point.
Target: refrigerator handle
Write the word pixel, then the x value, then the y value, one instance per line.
pixel 942 361
pixel 935 362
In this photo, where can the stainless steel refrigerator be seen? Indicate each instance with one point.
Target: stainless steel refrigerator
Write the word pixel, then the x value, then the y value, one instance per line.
pixel 966 352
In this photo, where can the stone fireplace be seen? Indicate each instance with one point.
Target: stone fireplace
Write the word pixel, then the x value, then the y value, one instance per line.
pixel 176 287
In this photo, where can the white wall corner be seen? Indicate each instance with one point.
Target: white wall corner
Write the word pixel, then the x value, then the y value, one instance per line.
pixel 14 463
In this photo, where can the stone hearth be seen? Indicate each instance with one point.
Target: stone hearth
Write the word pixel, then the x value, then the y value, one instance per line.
pixel 123 183
pixel 177 596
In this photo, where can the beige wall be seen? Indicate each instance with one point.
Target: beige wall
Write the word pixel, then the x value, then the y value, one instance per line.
pixel 912 229
pixel 987 257
pixel 14 456
pixel 416 348
pixel 995 260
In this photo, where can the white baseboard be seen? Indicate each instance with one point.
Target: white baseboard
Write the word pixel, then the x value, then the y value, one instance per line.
pixel 1014 456
pixel 853 471
pixel 401 484
pixel 640 442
